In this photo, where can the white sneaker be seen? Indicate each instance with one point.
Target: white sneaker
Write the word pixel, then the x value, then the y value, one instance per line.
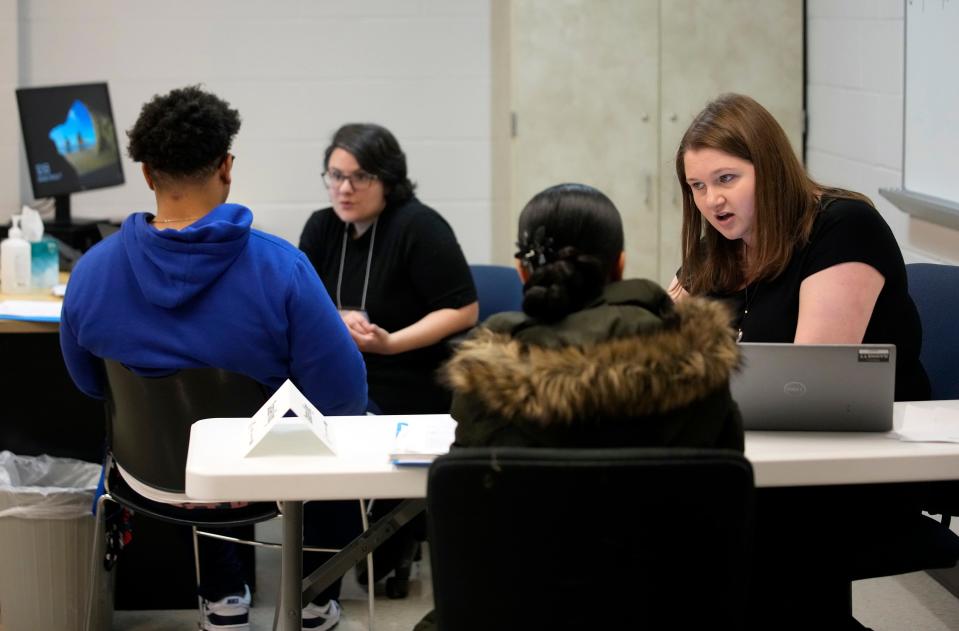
pixel 231 612
pixel 316 618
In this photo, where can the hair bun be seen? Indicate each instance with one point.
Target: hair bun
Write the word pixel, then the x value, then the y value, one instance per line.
pixel 562 286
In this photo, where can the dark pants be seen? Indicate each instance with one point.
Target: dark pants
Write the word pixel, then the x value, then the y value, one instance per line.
pixel 812 542
pixel 325 525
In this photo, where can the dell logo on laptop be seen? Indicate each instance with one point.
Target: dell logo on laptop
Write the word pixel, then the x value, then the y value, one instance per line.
pixel 795 388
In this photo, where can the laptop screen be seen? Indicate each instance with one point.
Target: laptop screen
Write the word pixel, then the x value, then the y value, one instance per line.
pixel 830 387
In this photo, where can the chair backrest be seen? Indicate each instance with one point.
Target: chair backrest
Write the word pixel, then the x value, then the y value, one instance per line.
pixel 590 539
pixel 149 418
pixel 935 290
pixel 498 288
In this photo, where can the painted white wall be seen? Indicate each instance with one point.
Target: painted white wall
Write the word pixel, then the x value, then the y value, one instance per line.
pixel 855 112
pixel 9 127
pixel 296 70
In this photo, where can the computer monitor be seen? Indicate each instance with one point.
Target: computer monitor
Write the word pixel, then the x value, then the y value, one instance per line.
pixel 71 141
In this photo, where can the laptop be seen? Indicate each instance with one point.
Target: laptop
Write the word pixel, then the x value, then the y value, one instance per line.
pixel 830 387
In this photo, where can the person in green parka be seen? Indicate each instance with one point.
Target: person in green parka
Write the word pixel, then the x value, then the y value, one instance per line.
pixel 593 360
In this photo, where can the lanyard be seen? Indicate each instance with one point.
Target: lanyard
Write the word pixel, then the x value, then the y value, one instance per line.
pixel 369 262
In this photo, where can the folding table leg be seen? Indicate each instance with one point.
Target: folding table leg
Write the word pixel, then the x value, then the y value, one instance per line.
pixel 377 533
pixel 289 612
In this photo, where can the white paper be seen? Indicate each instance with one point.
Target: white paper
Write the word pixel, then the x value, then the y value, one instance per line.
pixel 288 398
pixel 935 425
pixel 34 310
pixel 419 441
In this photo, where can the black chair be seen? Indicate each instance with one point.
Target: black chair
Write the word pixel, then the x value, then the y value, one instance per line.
pixel 148 432
pixel 587 539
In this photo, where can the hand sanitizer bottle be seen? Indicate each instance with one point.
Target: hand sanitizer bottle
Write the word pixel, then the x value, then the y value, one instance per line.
pixel 15 261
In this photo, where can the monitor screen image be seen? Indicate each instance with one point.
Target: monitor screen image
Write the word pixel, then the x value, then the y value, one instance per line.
pixel 70 139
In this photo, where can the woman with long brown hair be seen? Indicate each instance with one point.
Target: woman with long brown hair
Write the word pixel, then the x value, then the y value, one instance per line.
pixel 797 261
pixel 803 263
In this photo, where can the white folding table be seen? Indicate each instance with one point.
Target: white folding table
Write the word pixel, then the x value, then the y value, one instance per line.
pixel 285 468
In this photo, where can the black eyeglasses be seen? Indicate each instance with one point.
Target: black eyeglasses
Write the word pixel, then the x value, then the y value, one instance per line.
pixel 359 181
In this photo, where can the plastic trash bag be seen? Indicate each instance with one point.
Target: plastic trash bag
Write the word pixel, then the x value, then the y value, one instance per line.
pixel 43 487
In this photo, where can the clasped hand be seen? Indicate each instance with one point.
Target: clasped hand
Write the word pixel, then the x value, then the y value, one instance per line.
pixel 369 337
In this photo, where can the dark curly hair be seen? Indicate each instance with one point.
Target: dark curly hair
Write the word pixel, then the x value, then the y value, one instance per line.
pixel 570 240
pixel 378 153
pixel 183 134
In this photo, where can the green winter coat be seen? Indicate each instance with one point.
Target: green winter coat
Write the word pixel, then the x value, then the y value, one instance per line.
pixel 631 369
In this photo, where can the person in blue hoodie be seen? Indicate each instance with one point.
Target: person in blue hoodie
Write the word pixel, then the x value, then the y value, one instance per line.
pixel 193 285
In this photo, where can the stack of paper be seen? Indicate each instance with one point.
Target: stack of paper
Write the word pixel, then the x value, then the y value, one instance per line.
pixel 420 441
pixel 32 310
pixel 935 425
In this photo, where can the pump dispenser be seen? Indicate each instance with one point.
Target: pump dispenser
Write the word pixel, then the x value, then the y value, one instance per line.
pixel 15 261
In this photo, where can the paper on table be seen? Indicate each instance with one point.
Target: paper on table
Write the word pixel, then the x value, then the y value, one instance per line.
pixel 936 425
pixel 420 441
pixel 32 310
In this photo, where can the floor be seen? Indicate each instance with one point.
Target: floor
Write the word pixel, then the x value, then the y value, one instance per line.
pixel 913 601
pixel 389 615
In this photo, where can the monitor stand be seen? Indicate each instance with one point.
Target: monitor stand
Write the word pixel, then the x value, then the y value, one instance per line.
pixel 79 234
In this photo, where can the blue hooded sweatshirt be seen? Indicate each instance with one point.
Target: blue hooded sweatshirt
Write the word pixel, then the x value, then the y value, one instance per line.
pixel 216 293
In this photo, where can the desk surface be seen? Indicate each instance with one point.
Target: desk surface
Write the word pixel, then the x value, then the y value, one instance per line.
pixel 24 326
pixel 284 467
pixel 822 458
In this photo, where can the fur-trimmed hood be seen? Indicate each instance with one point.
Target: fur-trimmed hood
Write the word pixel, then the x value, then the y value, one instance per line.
pixel 630 354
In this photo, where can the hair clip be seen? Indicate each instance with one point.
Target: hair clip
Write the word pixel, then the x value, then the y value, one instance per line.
pixel 536 251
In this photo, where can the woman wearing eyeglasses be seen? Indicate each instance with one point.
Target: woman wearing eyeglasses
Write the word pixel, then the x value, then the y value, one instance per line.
pixel 393 268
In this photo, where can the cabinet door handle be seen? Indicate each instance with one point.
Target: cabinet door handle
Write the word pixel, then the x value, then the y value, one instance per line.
pixel 649 189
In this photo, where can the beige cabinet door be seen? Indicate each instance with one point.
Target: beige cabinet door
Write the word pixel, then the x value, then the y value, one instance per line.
pixel 715 46
pixel 584 91
pixel 602 90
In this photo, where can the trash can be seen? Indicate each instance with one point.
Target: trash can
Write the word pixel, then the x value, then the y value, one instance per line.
pixel 46 534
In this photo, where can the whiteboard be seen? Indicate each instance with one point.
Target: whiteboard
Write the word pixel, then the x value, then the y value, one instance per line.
pixel 931 136
pixel 930 161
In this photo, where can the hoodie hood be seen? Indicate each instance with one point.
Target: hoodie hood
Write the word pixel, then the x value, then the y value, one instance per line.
pixel 650 359
pixel 173 266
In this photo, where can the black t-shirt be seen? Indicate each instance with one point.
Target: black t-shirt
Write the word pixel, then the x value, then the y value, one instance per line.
pixel 846 230
pixel 417 268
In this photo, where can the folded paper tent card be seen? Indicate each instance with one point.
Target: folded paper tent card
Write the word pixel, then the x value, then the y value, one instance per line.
pixel 288 399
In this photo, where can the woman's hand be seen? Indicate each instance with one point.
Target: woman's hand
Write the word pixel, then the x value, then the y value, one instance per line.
pixel 432 328
pixel 351 318
pixel 676 291
pixel 370 338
